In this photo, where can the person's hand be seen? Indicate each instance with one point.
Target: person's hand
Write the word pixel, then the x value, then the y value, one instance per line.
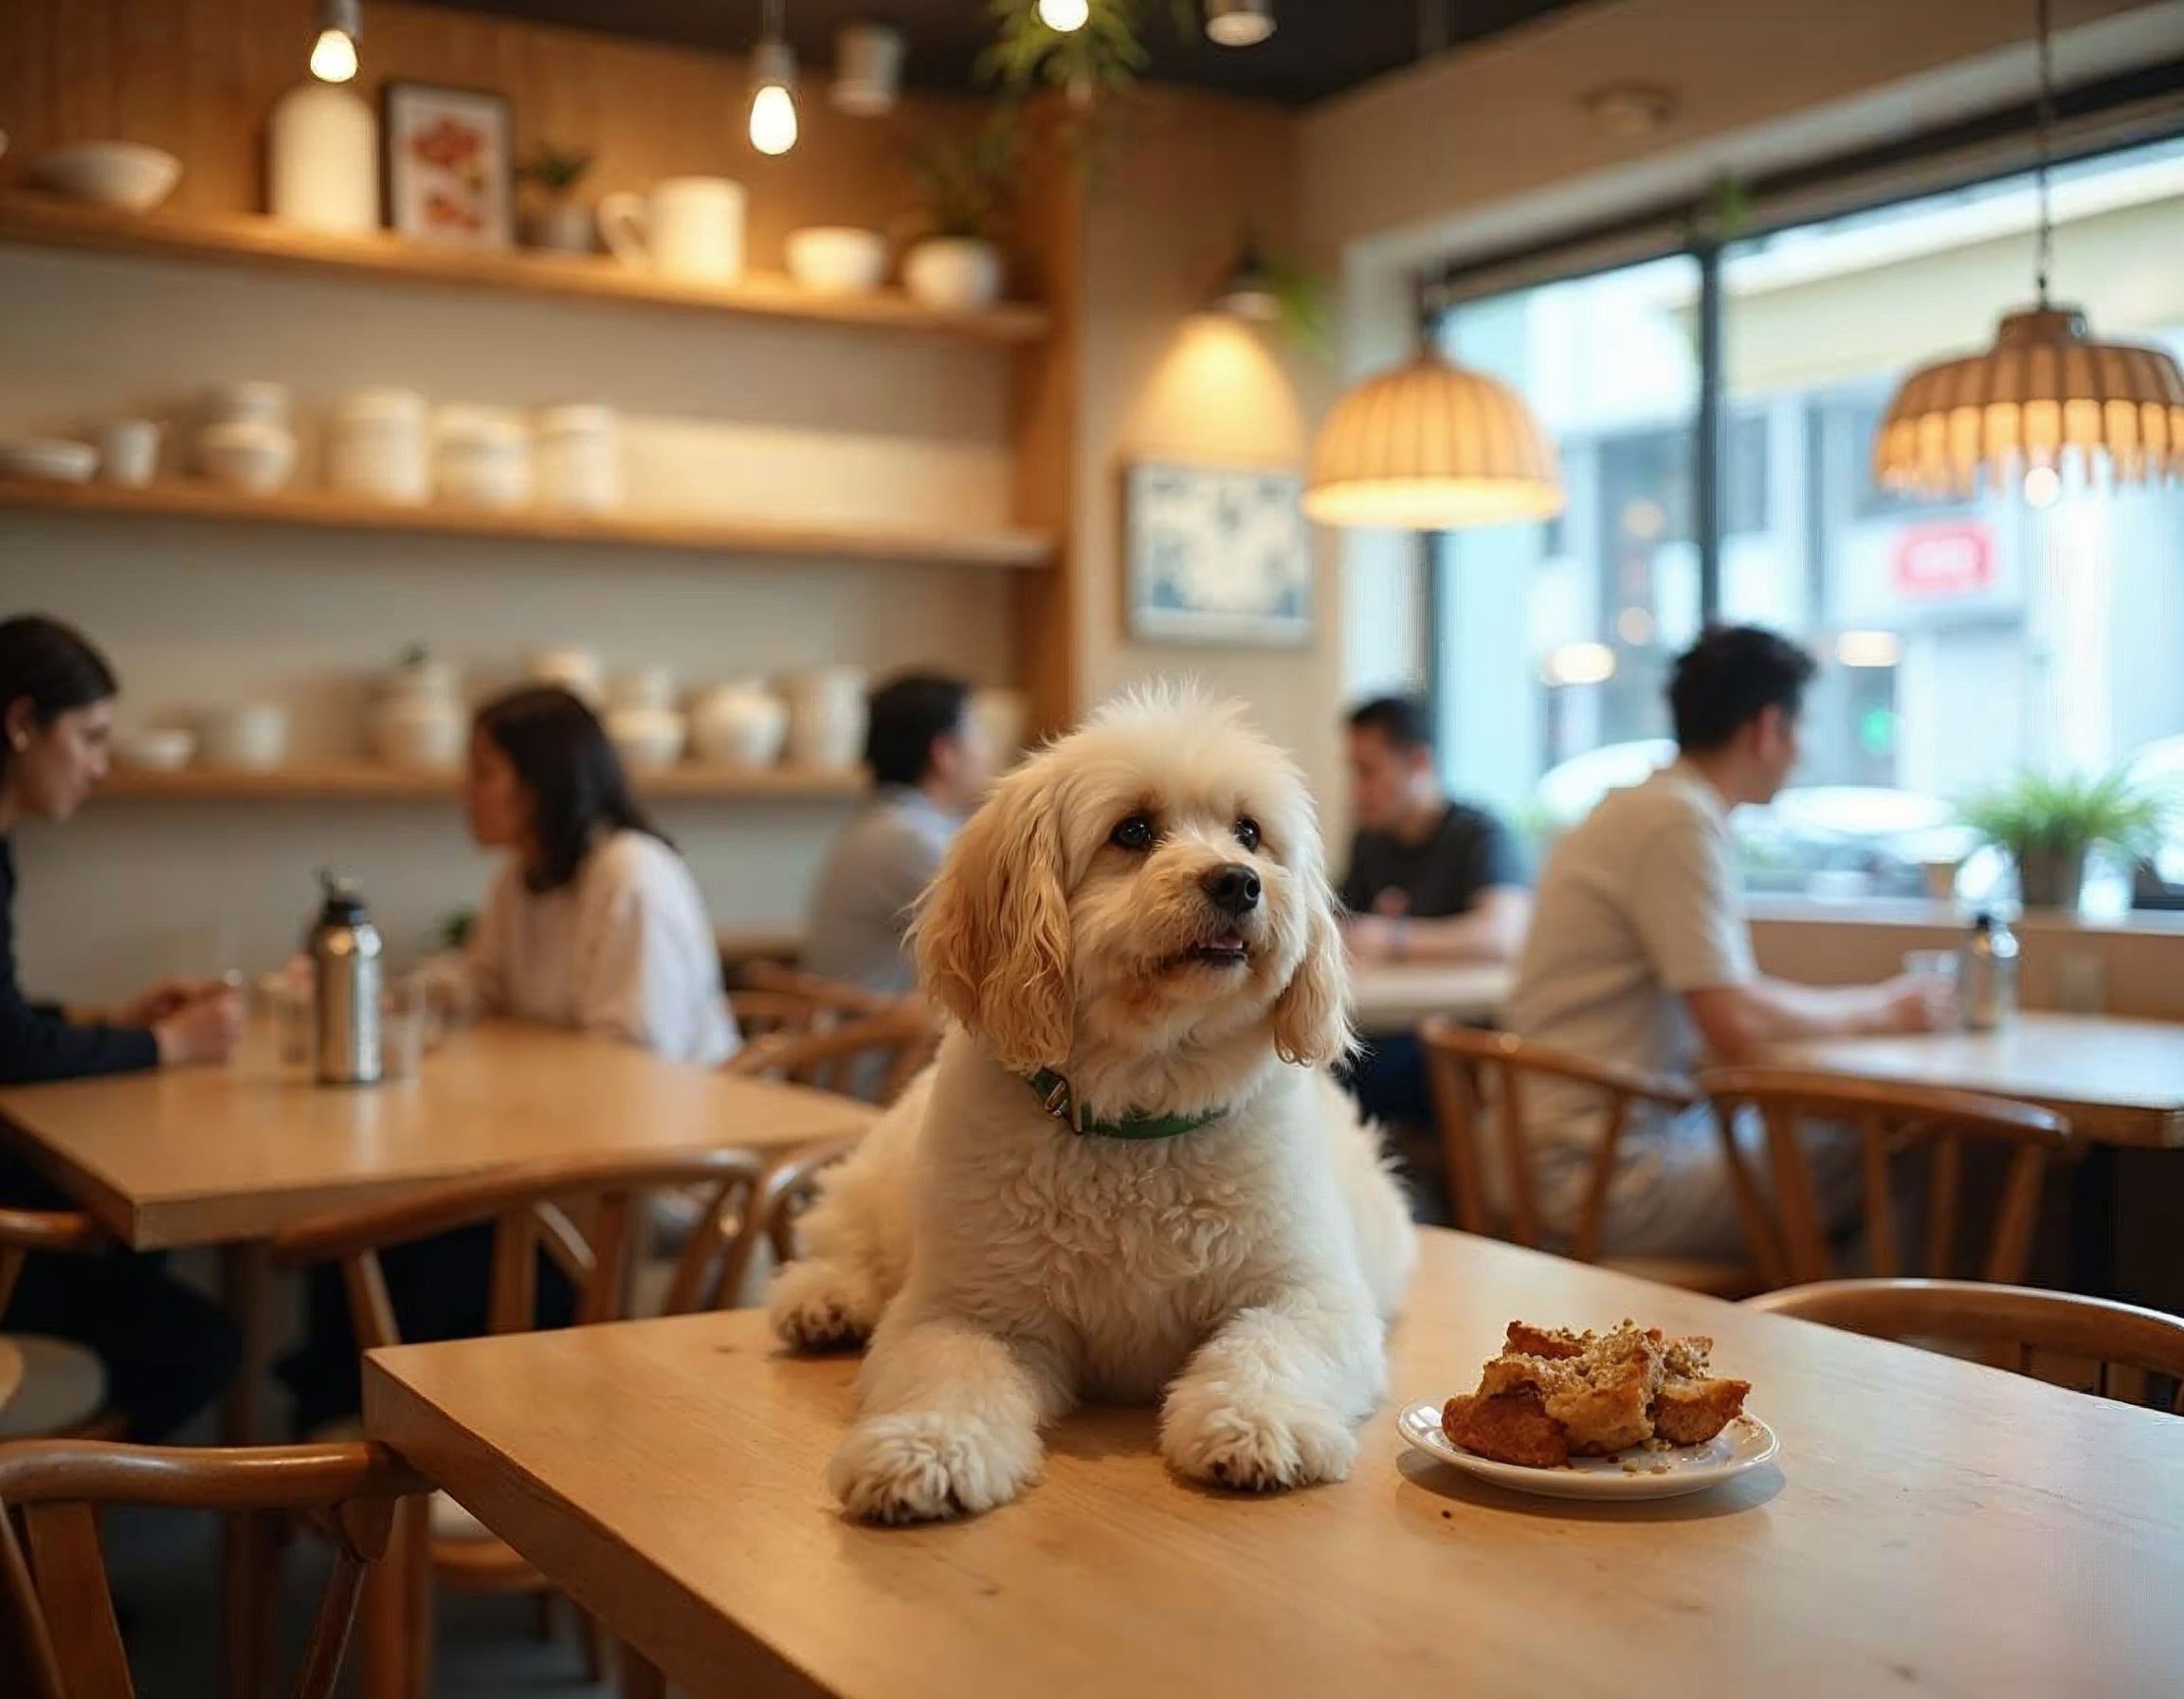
pixel 1371 937
pixel 206 1028
pixel 154 1003
pixel 1918 1003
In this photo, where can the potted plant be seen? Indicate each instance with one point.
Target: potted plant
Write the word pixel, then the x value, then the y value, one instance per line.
pixel 964 185
pixel 555 220
pixel 2048 824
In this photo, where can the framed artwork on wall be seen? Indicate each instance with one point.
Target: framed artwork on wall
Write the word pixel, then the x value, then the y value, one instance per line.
pixel 1217 554
pixel 450 175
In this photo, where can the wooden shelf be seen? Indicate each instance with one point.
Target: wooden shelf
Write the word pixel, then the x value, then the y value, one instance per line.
pixel 269 245
pixel 362 782
pixel 996 546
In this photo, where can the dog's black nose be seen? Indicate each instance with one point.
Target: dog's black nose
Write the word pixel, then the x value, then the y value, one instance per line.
pixel 1232 887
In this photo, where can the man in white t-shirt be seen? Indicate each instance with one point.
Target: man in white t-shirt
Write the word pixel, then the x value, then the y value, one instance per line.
pixel 1639 953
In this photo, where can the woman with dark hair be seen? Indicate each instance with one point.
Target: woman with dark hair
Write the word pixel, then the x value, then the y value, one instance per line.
pixel 165 1350
pixel 596 923
pixel 56 716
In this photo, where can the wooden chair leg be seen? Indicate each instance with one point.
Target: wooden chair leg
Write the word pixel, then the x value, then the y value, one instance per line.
pixel 251 1584
pixel 393 1655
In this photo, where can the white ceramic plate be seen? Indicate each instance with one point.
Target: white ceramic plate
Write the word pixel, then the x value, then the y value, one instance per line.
pixel 1744 1444
pixel 52 459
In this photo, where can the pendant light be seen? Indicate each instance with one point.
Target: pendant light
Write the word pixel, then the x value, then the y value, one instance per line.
pixel 1239 23
pixel 1065 17
pixel 772 88
pixel 1431 445
pixel 1249 289
pixel 2046 391
pixel 334 53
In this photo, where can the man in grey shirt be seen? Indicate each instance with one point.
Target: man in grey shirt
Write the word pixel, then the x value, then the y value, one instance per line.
pixel 930 763
pixel 1639 953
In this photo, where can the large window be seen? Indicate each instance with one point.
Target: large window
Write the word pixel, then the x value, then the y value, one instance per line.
pixel 1963 639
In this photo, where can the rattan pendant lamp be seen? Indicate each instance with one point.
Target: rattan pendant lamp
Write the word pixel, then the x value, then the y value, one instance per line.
pixel 2044 393
pixel 1431 445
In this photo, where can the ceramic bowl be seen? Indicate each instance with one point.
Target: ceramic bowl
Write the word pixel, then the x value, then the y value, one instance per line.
pixel 110 173
pixel 251 736
pixel 647 738
pixel 49 459
pixel 246 454
pixel 156 748
pixel 834 259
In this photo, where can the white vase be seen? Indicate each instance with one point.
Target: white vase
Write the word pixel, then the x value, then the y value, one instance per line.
pixel 739 725
pixel 954 274
pixel 826 717
pixel 647 738
pixel 419 722
pixel 323 160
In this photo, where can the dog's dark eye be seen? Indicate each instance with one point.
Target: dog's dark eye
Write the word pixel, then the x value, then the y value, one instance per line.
pixel 1248 832
pixel 1136 833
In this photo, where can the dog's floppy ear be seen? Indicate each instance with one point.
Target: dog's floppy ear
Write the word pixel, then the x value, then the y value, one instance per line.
pixel 994 933
pixel 1312 1015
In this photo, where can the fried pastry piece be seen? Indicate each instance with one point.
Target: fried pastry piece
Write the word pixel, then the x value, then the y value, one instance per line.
pixel 1523 1340
pixel 1511 1427
pixel 1691 1411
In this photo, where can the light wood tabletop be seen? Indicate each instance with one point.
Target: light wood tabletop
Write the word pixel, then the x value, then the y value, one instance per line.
pixel 1393 996
pixel 1933 1526
pixel 216 1155
pixel 11 1369
pixel 2121 1082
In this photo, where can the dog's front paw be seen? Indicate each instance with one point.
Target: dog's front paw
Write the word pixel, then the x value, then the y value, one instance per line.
pixel 818 1306
pixel 922 1466
pixel 1254 1444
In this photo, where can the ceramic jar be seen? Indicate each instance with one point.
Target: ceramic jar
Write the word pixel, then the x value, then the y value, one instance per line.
pixel 577 671
pixel 644 688
pixel 247 735
pixel 739 725
pixel 418 720
pixel 323 160
pixel 481 458
pixel 958 274
pixel 826 717
pixel 377 447
pixel 579 459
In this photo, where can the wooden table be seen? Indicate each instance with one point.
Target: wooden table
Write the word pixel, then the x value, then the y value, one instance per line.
pixel 1933 1527
pixel 2121 1082
pixel 220 1155
pixel 1396 996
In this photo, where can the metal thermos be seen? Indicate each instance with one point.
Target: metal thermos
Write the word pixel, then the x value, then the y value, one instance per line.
pixel 344 951
pixel 1989 977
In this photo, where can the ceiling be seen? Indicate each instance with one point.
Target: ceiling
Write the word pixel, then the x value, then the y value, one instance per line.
pixel 1319 46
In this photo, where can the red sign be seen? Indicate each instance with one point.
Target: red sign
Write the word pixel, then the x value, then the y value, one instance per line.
pixel 1944 557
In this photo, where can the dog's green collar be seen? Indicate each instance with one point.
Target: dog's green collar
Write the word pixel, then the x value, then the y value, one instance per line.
pixel 1054 1096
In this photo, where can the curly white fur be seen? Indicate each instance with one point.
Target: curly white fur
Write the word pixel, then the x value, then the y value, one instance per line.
pixel 1006 1267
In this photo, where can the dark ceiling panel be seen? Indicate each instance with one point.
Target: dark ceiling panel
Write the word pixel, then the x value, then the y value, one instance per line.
pixel 1319 48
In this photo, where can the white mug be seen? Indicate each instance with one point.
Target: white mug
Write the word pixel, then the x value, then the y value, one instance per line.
pixel 129 450
pixel 687 228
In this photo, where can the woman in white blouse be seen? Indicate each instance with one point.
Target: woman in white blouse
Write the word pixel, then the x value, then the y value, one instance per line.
pixel 595 922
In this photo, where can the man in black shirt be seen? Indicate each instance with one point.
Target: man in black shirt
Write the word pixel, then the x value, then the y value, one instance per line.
pixel 1429 880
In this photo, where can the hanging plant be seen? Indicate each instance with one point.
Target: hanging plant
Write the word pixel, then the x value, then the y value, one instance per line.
pixel 1105 54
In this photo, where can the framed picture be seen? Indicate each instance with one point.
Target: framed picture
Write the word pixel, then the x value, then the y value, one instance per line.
pixel 450 174
pixel 1217 554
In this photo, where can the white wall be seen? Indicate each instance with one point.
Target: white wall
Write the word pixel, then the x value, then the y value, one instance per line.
pixel 729 416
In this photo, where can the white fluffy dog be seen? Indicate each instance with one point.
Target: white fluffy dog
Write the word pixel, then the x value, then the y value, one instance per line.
pixel 1128 1176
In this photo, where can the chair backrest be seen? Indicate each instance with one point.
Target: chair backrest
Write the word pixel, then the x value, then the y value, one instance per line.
pixel 1478 1079
pixel 2124 1343
pixel 57 1626
pixel 789 1187
pixel 872 1057
pixel 24 1232
pixel 526 1206
pixel 1889 1120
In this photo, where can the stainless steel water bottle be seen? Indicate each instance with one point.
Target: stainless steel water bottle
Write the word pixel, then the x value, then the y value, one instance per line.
pixel 344 950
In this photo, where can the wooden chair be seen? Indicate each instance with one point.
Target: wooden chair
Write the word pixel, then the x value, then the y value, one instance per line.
pixel 526 1207
pixel 2123 1342
pixel 787 1189
pixel 56 1622
pixel 770 998
pixel 1889 1121
pixel 873 1057
pixel 1479 1076
pixel 64 1390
